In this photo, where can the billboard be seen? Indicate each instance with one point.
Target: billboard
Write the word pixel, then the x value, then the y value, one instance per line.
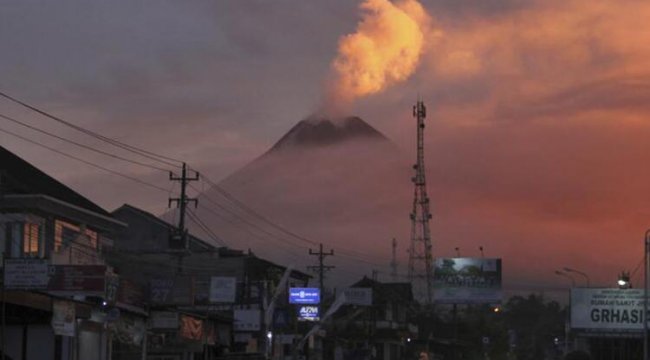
pixel 304 296
pixel 467 281
pixel 607 309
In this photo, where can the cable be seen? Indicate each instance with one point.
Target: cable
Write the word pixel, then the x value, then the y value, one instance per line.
pixel 139 151
pixel 250 211
pixel 255 236
pixel 82 145
pixel 240 218
pixel 85 161
pixel 194 218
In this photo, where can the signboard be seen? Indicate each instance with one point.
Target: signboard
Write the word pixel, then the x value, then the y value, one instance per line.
pixel 467 281
pixel 223 289
pixel 308 313
pixel 607 309
pixel 79 278
pixel 177 290
pixel 26 274
pixel 63 317
pixel 358 296
pixel 304 296
pixel 247 320
pixel 164 320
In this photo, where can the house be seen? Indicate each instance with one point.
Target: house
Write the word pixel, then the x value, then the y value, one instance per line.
pixel 59 293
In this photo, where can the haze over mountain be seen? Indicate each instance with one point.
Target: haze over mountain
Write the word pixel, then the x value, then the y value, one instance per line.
pixel 340 182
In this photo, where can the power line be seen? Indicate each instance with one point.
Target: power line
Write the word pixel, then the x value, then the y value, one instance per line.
pixel 244 220
pixel 136 150
pixel 195 219
pixel 85 161
pixel 82 145
pixel 248 210
pixel 247 229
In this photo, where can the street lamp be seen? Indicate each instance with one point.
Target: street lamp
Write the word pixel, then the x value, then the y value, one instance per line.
pixel 567 324
pixel 562 273
pixel 579 273
pixel 624 280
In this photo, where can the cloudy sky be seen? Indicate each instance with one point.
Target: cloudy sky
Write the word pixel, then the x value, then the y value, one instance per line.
pixel 538 110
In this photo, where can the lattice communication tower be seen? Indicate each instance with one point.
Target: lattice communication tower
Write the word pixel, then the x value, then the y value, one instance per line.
pixel 420 267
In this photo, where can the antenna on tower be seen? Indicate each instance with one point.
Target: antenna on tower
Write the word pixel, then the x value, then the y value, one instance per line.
pixel 393 263
pixel 420 257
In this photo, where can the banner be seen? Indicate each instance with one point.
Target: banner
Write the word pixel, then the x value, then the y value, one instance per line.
pixel 63 317
pixel 607 309
pixel 223 289
pixel 79 278
pixel 191 328
pixel 467 281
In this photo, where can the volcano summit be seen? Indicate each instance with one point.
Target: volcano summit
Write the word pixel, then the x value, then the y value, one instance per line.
pixel 321 131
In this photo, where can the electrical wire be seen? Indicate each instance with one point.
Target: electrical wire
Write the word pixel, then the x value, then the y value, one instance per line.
pixel 114 172
pixel 248 210
pixel 81 145
pixel 148 154
pixel 194 218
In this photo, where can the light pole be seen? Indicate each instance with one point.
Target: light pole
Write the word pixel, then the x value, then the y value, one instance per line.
pixel 646 248
pixel 570 270
pixel 568 319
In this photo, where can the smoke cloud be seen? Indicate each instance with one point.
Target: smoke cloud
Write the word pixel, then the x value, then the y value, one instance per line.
pixel 385 49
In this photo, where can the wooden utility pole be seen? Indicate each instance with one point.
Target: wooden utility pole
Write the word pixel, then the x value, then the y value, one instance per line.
pixel 321 268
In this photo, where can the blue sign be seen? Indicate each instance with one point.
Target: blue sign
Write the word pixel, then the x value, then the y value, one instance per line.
pixel 304 296
pixel 308 313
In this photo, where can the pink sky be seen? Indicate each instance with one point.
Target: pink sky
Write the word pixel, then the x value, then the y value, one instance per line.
pixel 537 137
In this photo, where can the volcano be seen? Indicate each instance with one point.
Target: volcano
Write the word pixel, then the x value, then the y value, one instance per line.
pixel 321 131
pixel 336 181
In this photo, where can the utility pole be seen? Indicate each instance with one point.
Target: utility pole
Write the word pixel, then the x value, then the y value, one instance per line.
pixel 321 268
pixel 179 237
pixel 393 263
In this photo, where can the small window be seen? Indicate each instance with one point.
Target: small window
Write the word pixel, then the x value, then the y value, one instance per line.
pixel 23 239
